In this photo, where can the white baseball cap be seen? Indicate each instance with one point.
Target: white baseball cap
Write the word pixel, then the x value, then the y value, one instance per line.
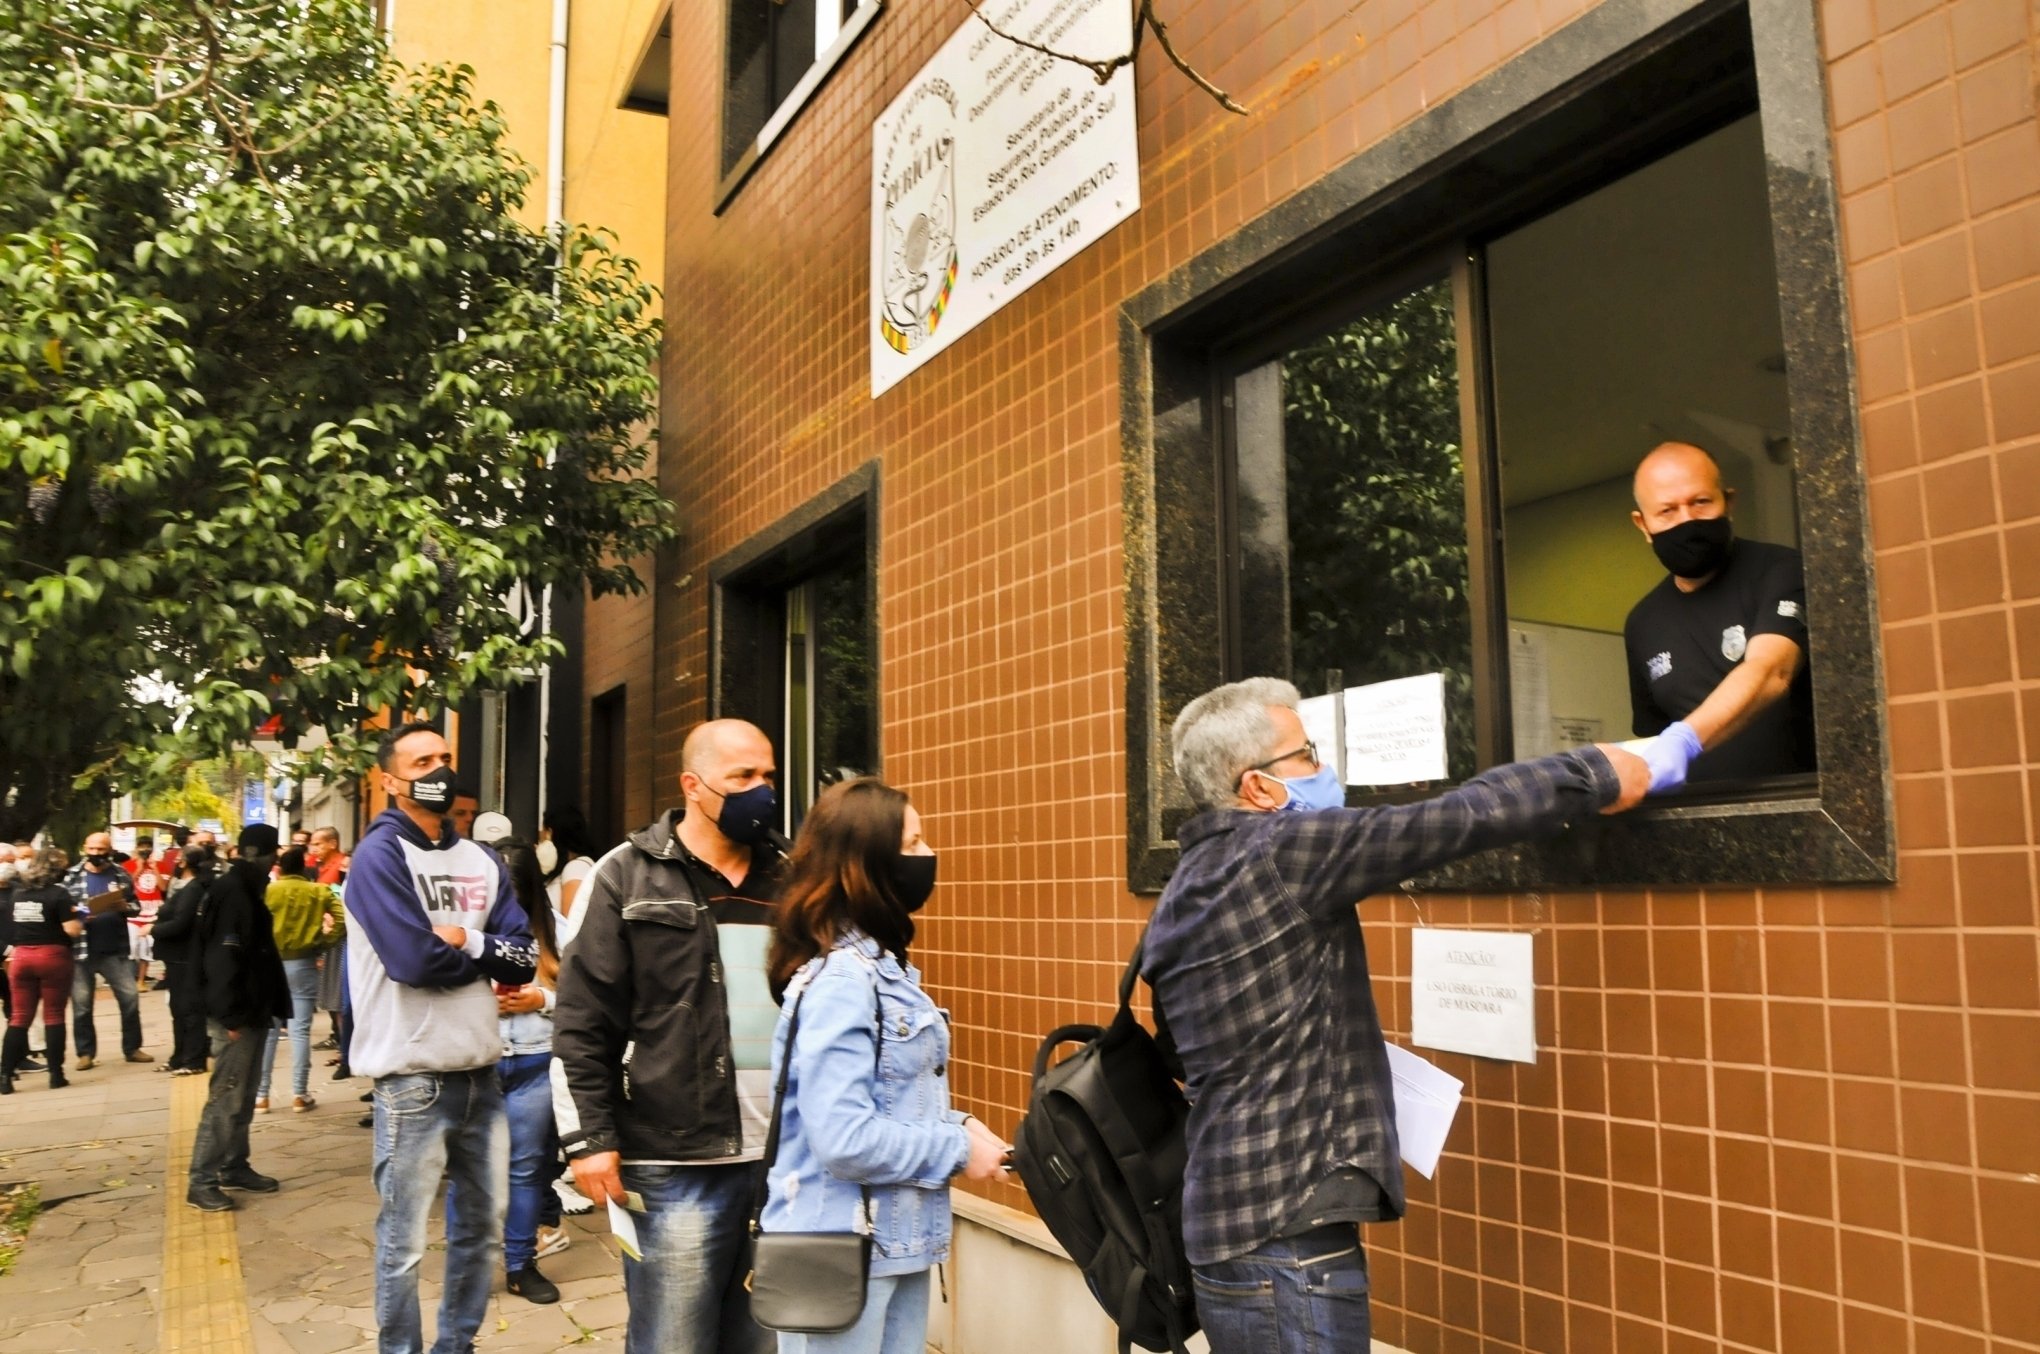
pixel 491 828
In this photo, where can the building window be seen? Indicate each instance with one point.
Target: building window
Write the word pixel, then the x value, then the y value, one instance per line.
pixel 796 641
pixel 1406 439
pixel 779 52
pixel 608 755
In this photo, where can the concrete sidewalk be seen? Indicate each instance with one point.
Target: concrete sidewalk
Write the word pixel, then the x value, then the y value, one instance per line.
pixel 114 1265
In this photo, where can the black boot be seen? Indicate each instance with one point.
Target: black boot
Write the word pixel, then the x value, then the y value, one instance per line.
pixel 13 1048
pixel 53 1050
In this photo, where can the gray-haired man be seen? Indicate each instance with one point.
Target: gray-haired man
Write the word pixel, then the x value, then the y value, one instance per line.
pixel 1258 966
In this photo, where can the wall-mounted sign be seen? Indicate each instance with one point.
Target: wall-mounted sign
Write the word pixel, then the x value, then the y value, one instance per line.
pixel 994 167
pixel 1472 992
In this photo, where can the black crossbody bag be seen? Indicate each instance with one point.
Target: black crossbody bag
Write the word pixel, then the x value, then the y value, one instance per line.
pixel 807 1283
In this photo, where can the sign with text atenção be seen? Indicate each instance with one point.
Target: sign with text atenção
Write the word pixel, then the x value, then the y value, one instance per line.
pixel 994 167
pixel 1473 992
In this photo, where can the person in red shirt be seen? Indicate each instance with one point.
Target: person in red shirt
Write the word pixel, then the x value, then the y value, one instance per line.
pixel 149 876
pixel 326 856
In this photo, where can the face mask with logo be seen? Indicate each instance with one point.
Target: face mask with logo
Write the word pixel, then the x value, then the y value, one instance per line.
pixel 432 791
pixel 1321 789
pixel 1694 548
pixel 913 879
pixel 747 815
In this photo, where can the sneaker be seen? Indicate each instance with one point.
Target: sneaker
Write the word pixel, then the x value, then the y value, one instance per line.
pixel 165 1067
pixel 529 1284
pixel 262 1104
pixel 300 1103
pixel 571 1200
pixel 250 1180
pixel 85 1063
pixel 552 1240
pixel 141 1055
pixel 187 1071
pixel 368 1121
pixel 328 1042
pixel 208 1199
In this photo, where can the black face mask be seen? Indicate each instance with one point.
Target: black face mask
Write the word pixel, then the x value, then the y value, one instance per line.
pixel 1694 548
pixel 97 860
pixel 433 791
pixel 913 879
pixel 747 816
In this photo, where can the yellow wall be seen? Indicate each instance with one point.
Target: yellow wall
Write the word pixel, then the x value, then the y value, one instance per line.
pixel 1576 559
pixel 615 158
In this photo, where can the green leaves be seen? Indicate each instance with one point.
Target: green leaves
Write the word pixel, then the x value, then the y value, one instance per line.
pixel 295 415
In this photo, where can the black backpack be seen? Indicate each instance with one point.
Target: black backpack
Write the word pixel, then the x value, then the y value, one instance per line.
pixel 1101 1152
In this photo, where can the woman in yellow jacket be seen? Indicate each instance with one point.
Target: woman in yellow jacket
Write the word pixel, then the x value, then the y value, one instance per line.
pixel 308 918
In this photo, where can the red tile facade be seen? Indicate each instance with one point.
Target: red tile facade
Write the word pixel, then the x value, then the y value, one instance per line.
pixel 1787 1119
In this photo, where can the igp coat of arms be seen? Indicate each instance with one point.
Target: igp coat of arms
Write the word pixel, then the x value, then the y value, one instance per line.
pixel 920 258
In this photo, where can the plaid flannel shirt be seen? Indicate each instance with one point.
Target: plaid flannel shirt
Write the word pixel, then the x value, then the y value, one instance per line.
pixel 1257 963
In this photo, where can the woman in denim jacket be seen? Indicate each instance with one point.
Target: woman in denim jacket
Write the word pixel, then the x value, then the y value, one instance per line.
pixel 867 1097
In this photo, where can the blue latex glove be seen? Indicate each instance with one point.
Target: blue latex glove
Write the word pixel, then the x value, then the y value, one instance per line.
pixel 1669 755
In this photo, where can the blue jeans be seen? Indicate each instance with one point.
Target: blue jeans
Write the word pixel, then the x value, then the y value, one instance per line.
pixel 303 977
pixel 119 972
pixel 895 1321
pixel 1302 1294
pixel 527 1094
pixel 687 1295
pixel 428 1125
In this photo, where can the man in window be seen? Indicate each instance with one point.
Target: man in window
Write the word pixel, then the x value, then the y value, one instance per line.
pixel 1717 651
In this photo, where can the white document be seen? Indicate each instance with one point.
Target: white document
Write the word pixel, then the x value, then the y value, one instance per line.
pixel 624 1228
pixel 1320 715
pixel 1530 693
pixel 1426 1102
pixel 1395 731
pixel 1472 992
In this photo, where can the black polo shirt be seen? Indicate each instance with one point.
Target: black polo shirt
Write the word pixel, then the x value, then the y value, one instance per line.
pixel 1682 644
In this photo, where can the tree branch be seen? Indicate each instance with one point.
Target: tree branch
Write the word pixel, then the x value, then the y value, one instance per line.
pixel 1103 69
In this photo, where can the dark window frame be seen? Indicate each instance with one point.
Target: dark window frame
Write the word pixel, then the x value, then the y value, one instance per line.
pixel 737 164
pixel 1659 73
pixel 746 623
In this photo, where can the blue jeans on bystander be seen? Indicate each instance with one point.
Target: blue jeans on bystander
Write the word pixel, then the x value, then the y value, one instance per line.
pixel 1293 1295
pixel 527 1096
pixel 119 972
pixel 688 1292
pixel 303 977
pixel 429 1125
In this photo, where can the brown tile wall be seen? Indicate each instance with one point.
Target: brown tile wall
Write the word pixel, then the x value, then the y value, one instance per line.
pixel 1781 1120
pixel 616 650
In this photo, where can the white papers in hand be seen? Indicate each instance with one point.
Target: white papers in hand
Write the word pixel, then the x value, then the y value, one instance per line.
pixel 1426 1101
pixel 624 1228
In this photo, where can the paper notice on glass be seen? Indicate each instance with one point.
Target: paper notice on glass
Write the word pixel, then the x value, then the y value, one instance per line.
pixel 1426 1102
pixel 1320 715
pixel 1395 731
pixel 1472 992
pixel 1530 693
pixel 624 1227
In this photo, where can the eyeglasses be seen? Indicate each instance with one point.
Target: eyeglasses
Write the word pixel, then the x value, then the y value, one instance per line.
pixel 1309 749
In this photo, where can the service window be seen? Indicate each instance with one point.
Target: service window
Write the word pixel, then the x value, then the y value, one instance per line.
pixel 1382 442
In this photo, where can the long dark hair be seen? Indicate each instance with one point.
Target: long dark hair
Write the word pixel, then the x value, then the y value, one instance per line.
pixel 570 837
pixel 529 886
pixel 840 876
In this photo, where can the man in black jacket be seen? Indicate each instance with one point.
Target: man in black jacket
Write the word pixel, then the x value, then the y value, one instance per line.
pixel 244 991
pixel 175 935
pixel 670 962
